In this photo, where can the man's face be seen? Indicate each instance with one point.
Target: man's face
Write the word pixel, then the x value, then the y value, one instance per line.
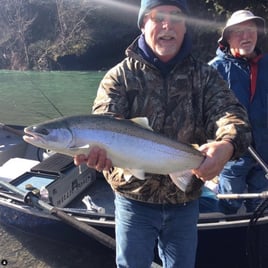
pixel 164 29
pixel 242 38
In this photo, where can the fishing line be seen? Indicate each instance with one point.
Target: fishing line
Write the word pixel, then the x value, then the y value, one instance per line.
pixel 45 96
pixel 50 101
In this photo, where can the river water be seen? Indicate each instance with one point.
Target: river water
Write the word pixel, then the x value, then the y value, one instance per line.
pixel 27 98
pixel 31 97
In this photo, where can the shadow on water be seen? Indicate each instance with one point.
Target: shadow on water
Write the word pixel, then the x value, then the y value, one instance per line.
pixel 20 250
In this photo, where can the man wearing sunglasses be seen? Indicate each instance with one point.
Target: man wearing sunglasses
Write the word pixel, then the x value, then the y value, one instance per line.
pixel 184 100
pixel 244 67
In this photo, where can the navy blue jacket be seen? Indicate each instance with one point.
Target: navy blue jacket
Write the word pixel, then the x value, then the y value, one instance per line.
pixel 237 72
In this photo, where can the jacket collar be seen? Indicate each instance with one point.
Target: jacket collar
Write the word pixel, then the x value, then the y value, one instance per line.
pixel 225 53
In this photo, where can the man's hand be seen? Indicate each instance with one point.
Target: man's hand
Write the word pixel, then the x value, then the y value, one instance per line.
pixel 217 153
pixel 97 159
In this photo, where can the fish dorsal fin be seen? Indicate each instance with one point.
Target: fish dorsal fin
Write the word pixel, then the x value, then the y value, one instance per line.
pixel 142 121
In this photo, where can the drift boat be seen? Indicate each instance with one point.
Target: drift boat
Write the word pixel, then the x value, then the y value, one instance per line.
pixel 44 193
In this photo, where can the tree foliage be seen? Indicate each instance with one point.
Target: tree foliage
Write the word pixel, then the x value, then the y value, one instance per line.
pixel 88 34
pixel 37 32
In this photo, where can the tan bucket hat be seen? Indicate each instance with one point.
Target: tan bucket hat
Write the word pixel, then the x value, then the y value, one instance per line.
pixel 239 17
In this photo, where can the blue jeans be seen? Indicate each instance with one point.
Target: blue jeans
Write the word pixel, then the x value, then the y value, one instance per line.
pixel 139 226
pixel 240 176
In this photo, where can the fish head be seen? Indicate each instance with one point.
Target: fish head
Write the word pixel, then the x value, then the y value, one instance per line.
pixel 47 136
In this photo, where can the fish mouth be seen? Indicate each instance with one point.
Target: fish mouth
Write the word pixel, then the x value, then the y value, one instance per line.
pixel 32 137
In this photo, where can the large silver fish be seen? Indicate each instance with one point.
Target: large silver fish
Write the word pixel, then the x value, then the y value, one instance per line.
pixel 130 144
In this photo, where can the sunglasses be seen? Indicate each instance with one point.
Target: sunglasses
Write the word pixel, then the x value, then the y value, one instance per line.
pixel 159 17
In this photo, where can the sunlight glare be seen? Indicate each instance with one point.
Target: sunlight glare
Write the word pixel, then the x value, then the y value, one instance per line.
pixel 193 21
pixel 117 4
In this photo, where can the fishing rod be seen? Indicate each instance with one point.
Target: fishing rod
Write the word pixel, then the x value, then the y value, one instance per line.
pixel 12 129
pixel 262 195
pixel 259 160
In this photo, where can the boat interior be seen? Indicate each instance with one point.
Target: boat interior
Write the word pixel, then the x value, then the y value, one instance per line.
pixel 80 191
pixel 84 194
pixel 53 178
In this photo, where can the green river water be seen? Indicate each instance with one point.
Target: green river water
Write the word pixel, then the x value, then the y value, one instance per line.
pixel 31 97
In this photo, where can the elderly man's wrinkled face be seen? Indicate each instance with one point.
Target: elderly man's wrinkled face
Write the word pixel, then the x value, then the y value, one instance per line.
pixel 242 39
pixel 164 29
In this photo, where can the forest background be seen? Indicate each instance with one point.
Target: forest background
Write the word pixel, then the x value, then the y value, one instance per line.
pixel 93 35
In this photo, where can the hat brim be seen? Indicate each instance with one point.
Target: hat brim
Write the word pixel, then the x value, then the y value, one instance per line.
pixel 260 24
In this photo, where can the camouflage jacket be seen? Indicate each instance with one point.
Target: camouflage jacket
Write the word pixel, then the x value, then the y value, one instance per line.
pixel 192 104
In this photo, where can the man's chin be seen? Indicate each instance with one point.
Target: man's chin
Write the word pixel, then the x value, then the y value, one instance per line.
pixel 246 52
pixel 166 55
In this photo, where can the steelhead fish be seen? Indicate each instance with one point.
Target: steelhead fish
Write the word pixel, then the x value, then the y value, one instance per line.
pixel 130 144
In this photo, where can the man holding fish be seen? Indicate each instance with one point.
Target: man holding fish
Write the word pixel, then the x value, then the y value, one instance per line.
pixel 184 100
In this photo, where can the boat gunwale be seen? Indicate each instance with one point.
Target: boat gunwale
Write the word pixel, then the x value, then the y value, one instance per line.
pixel 207 221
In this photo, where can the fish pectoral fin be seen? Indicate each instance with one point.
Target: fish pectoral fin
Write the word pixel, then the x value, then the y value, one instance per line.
pixel 142 121
pixel 138 173
pixel 80 150
pixel 86 146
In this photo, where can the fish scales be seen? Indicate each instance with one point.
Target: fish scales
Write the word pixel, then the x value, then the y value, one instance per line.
pixel 128 144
